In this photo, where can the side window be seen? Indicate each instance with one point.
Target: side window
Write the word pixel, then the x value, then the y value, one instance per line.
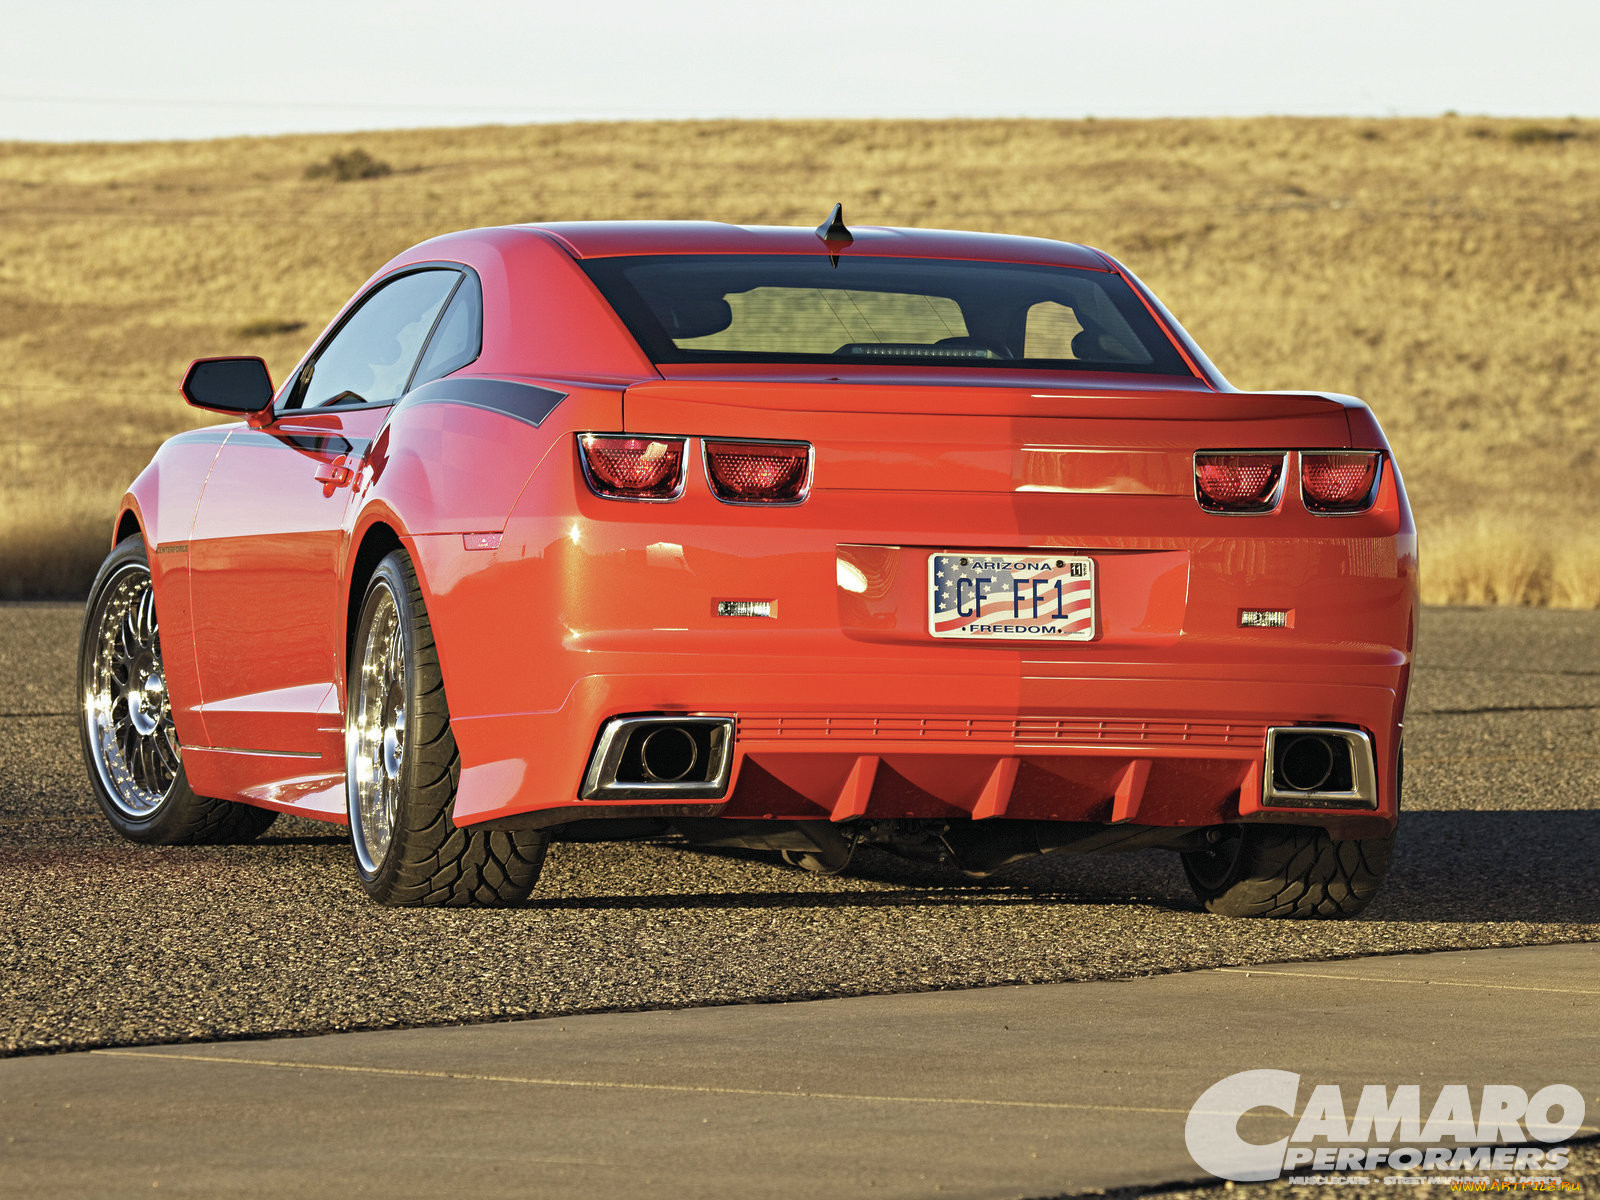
pixel 370 358
pixel 459 337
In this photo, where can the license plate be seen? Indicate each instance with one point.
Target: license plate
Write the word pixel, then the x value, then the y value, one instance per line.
pixel 1006 596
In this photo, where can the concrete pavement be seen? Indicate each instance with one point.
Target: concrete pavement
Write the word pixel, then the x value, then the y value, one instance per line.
pixel 1002 1092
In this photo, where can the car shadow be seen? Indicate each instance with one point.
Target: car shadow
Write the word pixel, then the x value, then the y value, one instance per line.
pixel 1518 866
pixel 949 897
pixel 303 839
pixel 1535 866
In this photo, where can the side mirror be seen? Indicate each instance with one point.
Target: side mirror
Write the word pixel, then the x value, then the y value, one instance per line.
pixel 240 386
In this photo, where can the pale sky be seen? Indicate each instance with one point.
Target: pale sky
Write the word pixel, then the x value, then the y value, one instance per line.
pixel 114 69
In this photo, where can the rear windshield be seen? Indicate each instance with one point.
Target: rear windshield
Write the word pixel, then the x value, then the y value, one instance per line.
pixel 733 308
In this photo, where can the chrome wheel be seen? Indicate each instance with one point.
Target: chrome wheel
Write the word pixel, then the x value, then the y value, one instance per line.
pixel 128 718
pixel 402 765
pixel 375 732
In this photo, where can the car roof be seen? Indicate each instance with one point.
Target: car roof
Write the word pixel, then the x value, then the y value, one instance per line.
pixel 613 239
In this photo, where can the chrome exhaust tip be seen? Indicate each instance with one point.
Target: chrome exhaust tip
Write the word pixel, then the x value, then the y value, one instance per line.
pixel 1319 766
pixel 1305 763
pixel 660 757
pixel 668 753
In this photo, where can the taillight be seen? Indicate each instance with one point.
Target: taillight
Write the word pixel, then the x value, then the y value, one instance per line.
pixel 1238 483
pixel 633 468
pixel 758 472
pixel 1339 482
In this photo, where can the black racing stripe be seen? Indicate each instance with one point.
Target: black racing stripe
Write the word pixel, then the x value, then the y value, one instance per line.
pixel 519 401
pixel 323 443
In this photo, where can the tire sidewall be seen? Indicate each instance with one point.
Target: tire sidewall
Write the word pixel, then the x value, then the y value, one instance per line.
pixel 1289 871
pixel 391 575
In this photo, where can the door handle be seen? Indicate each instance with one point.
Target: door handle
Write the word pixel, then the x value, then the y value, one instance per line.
pixel 336 474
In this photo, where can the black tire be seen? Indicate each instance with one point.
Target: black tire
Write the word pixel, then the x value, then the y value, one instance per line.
pixel 1287 871
pixel 402 767
pixel 130 745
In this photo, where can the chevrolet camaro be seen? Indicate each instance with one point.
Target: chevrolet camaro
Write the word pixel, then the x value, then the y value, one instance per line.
pixel 950 544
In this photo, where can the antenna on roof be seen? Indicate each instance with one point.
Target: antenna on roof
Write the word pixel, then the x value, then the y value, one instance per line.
pixel 834 235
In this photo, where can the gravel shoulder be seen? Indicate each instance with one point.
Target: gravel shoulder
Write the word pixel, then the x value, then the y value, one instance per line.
pixel 103 943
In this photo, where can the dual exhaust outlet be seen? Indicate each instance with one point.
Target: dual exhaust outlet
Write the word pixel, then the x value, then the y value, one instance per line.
pixel 660 757
pixel 1314 766
pixel 670 757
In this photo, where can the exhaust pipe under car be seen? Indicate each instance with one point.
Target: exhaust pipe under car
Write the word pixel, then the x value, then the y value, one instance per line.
pixel 668 753
pixel 1305 763
pixel 662 757
pixel 1319 767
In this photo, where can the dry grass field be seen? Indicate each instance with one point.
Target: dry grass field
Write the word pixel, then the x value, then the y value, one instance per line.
pixel 1446 270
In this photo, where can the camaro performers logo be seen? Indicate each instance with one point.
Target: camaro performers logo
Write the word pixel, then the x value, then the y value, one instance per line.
pixel 1387 1129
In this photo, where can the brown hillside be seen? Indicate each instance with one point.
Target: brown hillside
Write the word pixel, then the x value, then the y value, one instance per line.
pixel 1444 270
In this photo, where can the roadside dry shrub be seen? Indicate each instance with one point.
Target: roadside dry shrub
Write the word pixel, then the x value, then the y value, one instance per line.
pixel 342 167
pixel 1494 559
pixel 52 544
pixel 1536 135
pixel 268 327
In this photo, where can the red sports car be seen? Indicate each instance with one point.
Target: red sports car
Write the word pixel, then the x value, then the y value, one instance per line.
pixel 952 544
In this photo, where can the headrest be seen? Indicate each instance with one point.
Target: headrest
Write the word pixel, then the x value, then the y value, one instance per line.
pixel 691 316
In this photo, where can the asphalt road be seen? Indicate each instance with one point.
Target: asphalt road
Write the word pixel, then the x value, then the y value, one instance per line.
pixel 103 943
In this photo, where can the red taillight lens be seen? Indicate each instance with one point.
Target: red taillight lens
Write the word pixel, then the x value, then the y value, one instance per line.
pixel 1343 482
pixel 633 468
pixel 1238 483
pixel 759 472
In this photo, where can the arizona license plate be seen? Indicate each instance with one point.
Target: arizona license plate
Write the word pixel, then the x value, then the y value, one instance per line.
pixel 1004 596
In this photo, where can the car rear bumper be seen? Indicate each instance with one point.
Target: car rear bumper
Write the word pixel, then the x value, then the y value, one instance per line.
pixel 1178 749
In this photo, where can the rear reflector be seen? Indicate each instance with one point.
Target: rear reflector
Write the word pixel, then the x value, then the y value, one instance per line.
pixel 758 472
pixel 1238 483
pixel 633 468
pixel 744 608
pixel 1263 618
pixel 1344 482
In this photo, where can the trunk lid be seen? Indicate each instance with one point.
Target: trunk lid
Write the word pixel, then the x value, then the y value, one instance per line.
pixel 995 439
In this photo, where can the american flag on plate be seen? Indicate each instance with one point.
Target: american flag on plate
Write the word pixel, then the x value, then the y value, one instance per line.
pixel 1006 595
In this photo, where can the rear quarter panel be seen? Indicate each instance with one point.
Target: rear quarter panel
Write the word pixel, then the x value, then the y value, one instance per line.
pixel 441 471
